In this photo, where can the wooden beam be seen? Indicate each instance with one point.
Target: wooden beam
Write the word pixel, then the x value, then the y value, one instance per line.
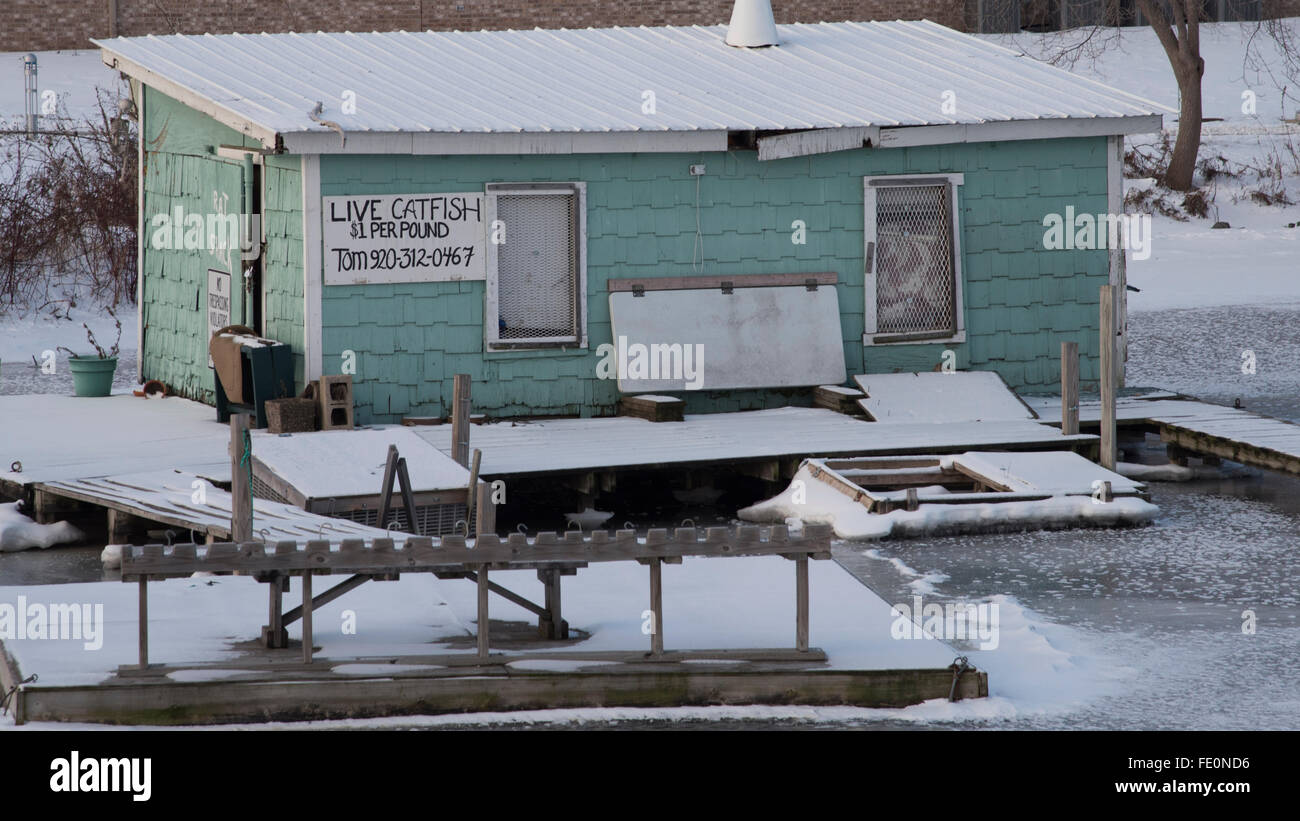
pixel 1109 380
pixel 657 607
pixel 460 412
pixel 801 603
pixel 306 619
pixel 1069 388
pixel 471 496
pixel 483 618
pixel 241 491
pixel 144 623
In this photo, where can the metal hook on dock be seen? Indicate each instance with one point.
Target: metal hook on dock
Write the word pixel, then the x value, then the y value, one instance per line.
pixel 688 519
pixel 959 665
pixel 15 466
pixel 629 526
pixel 169 535
pixel 522 528
pixel 455 527
pixel 265 534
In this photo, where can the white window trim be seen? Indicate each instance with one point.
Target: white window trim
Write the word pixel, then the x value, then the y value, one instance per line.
pixel 491 330
pixel 869 187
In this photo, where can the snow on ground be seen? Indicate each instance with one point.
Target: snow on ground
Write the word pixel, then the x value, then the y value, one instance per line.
pixel 28 333
pixel 19 532
pixel 1191 264
pixel 708 604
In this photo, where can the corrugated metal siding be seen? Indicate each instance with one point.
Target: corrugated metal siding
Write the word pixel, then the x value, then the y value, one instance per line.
pixel 1020 300
pixel 822 75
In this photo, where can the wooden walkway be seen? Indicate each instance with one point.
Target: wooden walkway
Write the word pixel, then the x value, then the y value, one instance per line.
pixel 166 497
pixel 1199 428
pixel 788 435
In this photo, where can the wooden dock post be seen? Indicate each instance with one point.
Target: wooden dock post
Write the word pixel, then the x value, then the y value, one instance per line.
pixel 1069 388
pixel 1108 377
pixel 241 492
pixel 306 618
pixel 471 497
pixel 657 606
pixel 801 603
pixel 460 410
pixel 274 634
pixel 483 590
pixel 144 622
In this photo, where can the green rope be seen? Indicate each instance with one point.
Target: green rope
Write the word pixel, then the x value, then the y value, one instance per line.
pixel 246 461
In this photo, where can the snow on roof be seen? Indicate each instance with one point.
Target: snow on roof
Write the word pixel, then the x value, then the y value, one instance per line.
pixel 822 75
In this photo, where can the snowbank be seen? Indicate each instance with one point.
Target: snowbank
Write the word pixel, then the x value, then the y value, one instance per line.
pixel 824 505
pixel 18 532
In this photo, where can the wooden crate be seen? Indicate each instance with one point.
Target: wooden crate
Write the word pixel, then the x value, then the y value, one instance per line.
pixel 653 408
pixel 292 415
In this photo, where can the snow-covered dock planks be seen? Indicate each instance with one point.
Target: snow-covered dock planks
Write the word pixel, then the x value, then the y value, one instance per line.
pixel 940 397
pixel 188 503
pixel 625 443
pixel 1214 431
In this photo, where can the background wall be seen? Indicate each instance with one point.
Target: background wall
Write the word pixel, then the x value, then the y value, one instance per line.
pixel 36 25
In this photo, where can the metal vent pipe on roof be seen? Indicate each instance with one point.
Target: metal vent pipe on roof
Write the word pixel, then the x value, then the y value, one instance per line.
pixel 752 24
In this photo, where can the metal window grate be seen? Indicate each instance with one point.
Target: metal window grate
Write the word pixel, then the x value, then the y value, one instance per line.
pixel 537 267
pixel 915 290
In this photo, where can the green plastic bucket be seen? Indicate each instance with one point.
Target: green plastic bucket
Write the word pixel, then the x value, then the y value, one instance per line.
pixel 92 376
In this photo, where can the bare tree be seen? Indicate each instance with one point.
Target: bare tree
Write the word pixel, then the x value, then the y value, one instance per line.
pixel 1180 36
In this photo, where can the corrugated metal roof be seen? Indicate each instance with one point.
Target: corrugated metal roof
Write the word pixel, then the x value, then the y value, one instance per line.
pixel 823 75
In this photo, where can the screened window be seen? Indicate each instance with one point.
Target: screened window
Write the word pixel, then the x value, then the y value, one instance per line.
pixel 536 284
pixel 913 271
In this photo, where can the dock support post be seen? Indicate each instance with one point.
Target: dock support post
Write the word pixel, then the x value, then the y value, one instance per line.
pixel 657 606
pixel 1108 377
pixel 241 498
pixel 801 603
pixel 144 622
pixel 471 496
pixel 306 618
pixel 1069 388
pixel 273 634
pixel 483 612
pixel 552 625
pixel 460 411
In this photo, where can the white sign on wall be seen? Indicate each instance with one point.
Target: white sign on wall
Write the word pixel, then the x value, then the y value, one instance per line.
pixel 218 302
pixel 403 238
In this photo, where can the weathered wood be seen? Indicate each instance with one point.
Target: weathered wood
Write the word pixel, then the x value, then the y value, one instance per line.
pixel 273 634
pixel 408 499
pixel 1069 387
pixel 657 607
pixel 552 624
pixel 386 489
pixel 912 500
pixel 1109 378
pixel 306 619
pixel 241 491
pixel 838 399
pixel 122 527
pixel 460 421
pixel 325 598
pixel 653 410
pixel 453 553
pixel 801 603
pixel 485 512
pixel 471 495
pixel 483 619
pixel 163 702
pixel 144 623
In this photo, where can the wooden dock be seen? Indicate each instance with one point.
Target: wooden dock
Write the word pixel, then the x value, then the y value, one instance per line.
pixel 166 498
pixel 1212 432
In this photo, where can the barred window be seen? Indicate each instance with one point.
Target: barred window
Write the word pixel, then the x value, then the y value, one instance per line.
pixel 536 276
pixel 913 272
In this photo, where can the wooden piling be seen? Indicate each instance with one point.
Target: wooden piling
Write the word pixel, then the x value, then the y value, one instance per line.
pixel 144 622
pixel 241 494
pixel 460 410
pixel 657 606
pixel 471 497
pixel 306 618
pixel 1069 388
pixel 1108 377
pixel 483 591
pixel 801 603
